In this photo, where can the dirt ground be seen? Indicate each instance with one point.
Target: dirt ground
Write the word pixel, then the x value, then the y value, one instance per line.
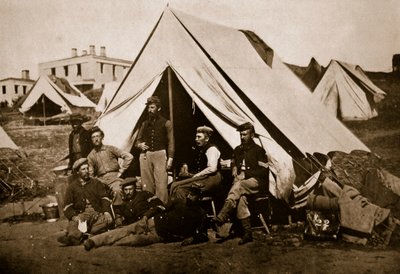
pixel 31 246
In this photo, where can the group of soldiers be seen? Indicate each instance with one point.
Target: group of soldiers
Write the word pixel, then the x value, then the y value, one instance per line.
pixel 104 208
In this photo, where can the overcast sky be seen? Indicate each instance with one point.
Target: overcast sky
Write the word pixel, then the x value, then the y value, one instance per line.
pixel 364 32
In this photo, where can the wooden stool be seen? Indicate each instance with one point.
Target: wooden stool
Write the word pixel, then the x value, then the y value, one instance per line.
pixel 259 206
pixel 209 204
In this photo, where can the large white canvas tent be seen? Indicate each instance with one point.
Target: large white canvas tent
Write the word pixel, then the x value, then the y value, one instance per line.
pixel 48 98
pixel 347 92
pixel 108 92
pixel 220 72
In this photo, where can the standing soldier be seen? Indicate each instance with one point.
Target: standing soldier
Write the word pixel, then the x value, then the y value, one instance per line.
pixel 79 140
pixel 157 145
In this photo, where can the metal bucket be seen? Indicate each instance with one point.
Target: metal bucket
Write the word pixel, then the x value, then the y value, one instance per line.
pixel 51 212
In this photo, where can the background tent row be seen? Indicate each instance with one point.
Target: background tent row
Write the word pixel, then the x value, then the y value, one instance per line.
pixel 347 92
pixel 50 96
pixel 223 77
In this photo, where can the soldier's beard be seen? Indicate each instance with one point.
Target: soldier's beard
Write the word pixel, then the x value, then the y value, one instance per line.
pixel 152 115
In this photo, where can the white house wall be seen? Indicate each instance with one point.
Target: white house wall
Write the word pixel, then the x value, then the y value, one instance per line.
pixel 11 94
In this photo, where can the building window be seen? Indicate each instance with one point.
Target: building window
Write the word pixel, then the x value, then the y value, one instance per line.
pixel 66 70
pixel 24 90
pixel 79 71
pixel 16 89
pixel 4 89
pixel 101 68
pixel 53 71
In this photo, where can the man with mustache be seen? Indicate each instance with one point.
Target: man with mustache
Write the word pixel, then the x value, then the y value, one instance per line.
pixel 250 176
pixel 104 163
pixel 86 200
pixel 203 171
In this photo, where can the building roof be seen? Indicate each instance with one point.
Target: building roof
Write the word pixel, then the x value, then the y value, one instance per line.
pixel 19 79
pixel 104 58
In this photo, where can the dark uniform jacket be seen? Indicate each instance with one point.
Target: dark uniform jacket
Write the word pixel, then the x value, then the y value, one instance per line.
pixel 255 163
pixel 157 135
pixel 95 192
pixel 135 208
pixel 181 219
pixel 85 144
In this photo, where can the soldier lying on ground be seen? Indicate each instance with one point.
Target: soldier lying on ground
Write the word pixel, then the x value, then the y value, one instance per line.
pixel 179 220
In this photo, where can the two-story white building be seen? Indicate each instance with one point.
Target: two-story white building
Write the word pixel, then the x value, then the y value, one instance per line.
pixel 11 89
pixel 89 70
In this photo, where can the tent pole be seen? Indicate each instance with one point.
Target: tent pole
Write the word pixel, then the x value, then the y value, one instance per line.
pixel 171 107
pixel 44 111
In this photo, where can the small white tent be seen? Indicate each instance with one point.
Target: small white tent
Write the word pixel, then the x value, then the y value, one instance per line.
pixel 47 98
pixel 347 92
pixel 108 92
pixel 225 77
pixel 6 141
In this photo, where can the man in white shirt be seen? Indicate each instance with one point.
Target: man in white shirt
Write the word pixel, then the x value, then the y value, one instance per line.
pixel 204 170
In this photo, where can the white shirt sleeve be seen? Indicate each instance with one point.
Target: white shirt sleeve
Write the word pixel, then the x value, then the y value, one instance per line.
pixel 213 155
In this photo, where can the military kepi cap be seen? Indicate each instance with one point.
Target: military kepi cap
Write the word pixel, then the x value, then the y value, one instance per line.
pixel 245 126
pixel 153 100
pixel 129 181
pixel 206 130
pixel 78 164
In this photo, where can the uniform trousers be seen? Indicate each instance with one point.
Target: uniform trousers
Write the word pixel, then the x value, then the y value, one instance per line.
pixel 96 223
pixel 113 182
pixel 208 184
pixel 238 192
pixel 154 173
pixel 130 235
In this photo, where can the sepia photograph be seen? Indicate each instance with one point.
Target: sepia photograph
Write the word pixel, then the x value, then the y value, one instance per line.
pixel 199 136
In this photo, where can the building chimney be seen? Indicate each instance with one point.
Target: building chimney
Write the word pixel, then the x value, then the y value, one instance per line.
pixel 74 52
pixel 92 50
pixel 84 52
pixel 25 74
pixel 103 51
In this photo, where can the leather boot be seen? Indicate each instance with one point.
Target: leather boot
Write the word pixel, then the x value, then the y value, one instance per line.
pixel 247 233
pixel 223 215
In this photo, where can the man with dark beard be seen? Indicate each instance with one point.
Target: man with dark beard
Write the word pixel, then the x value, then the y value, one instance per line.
pixel 157 145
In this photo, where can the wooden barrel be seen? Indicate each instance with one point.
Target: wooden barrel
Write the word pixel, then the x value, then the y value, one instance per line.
pixel 61 183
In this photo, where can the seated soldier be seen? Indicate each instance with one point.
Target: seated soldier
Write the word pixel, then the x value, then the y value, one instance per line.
pixel 104 163
pixel 203 172
pixel 86 201
pixel 250 173
pixel 179 220
pixel 134 203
